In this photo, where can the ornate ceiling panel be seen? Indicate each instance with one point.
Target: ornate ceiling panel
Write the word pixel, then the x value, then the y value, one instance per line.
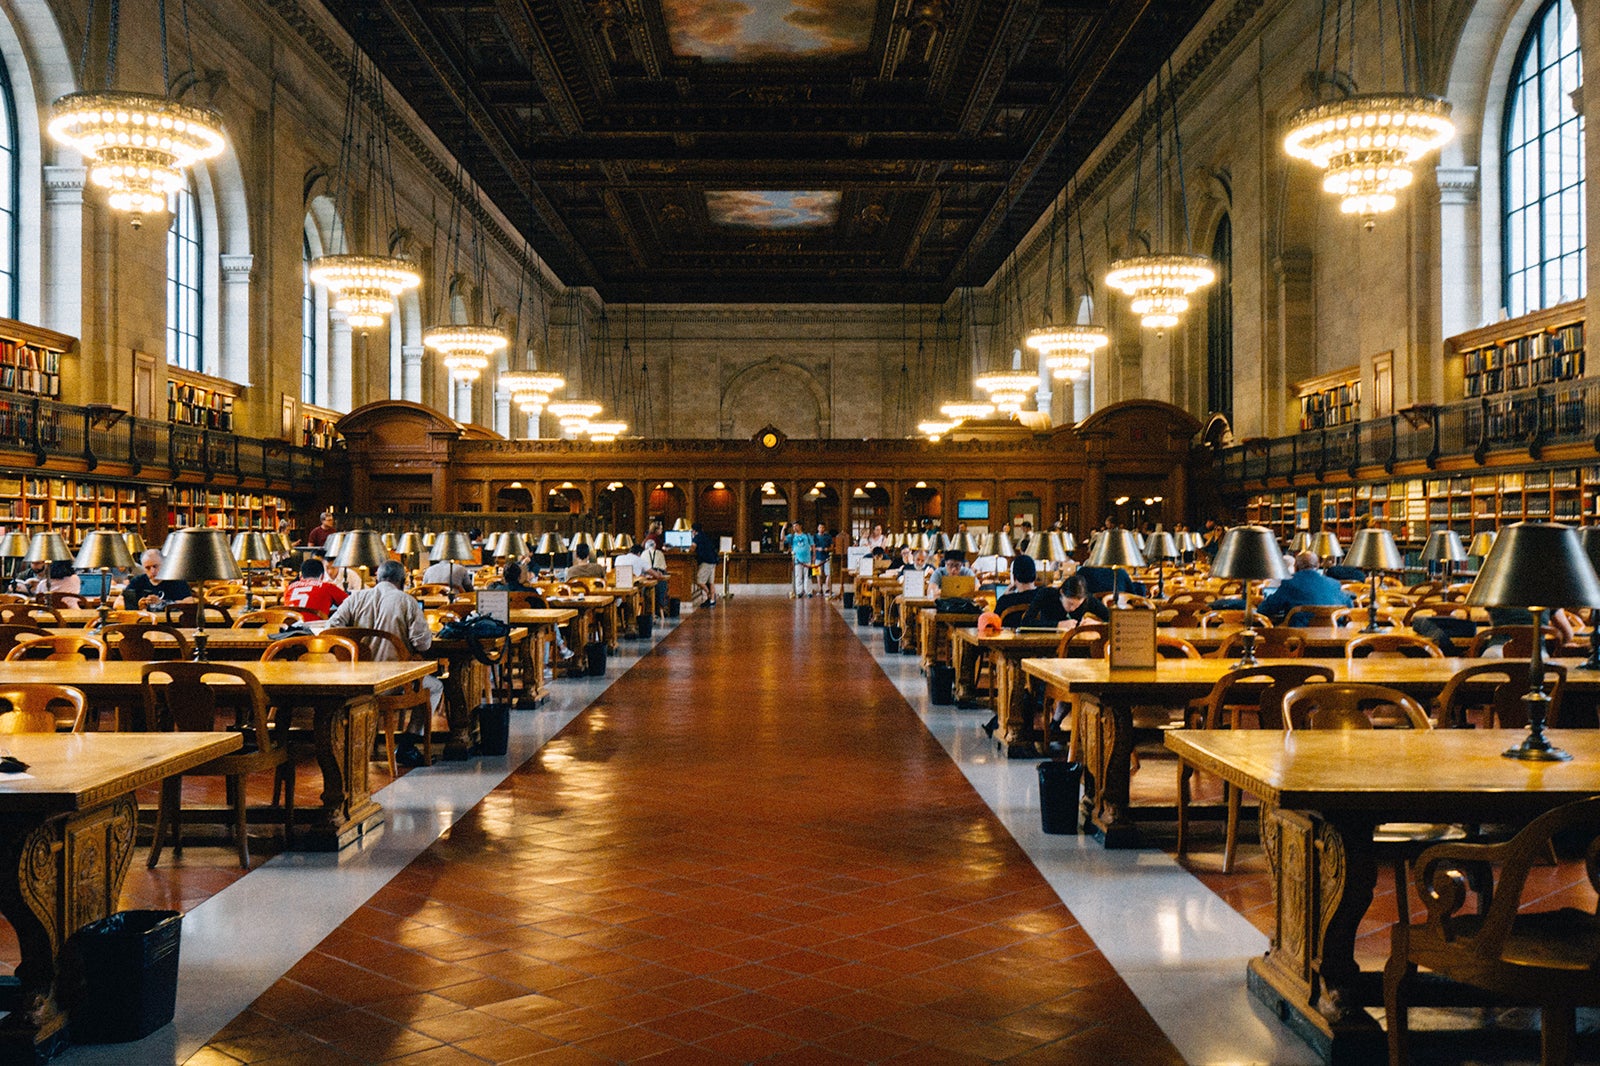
pixel 771 150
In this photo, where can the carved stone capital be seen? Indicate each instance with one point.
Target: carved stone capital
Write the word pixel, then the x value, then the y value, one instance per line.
pixel 64 185
pixel 236 268
pixel 1457 185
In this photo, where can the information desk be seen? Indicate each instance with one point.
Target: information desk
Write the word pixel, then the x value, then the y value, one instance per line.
pixel 1106 698
pixel 66 839
pixel 1322 793
pixel 344 714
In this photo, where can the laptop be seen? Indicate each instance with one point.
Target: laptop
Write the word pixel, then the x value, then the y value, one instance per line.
pixel 957 587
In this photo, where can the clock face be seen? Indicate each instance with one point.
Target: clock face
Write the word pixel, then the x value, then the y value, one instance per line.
pixel 769 440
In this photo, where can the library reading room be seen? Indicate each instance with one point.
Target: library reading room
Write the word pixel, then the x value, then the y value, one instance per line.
pixel 799 532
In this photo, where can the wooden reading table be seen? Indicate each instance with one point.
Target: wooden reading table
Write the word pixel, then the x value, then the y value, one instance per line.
pixel 1007 649
pixel 66 839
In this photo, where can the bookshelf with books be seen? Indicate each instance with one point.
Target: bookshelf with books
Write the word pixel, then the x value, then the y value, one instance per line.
pixel 30 370
pixel 1330 400
pixel 317 427
pixel 227 509
pixel 200 400
pixel 71 506
pixel 1542 348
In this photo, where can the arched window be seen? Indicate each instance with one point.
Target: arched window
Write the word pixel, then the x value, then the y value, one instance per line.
pixel 1542 145
pixel 9 186
pixel 1219 325
pixel 308 325
pixel 183 281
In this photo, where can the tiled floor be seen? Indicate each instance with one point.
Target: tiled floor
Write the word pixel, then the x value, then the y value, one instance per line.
pixel 747 850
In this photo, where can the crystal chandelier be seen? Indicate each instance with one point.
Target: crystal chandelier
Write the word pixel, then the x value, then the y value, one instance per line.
pixel 1008 389
pixel 605 432
pixel 574 414
pixel 1161 285
pixel 365 287
pixel 466 349
pixel 137 145
pixel 961 410
pixel 530 390
pixel 1367 144
pixel 935 429
pixel 1067 350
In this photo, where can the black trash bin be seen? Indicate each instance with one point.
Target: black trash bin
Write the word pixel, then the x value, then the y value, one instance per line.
pixel 646 624
pixel 674 607
pixel 942 683
pixel 863 614
pixel 849 600
pixel 1058 796
pixel 594 658
pixel 494 728
pixel 129 963
pixel 891 639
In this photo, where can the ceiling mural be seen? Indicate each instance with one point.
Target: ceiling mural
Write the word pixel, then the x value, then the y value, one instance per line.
pixel 754 30
pixel 733 151
pixel 764 209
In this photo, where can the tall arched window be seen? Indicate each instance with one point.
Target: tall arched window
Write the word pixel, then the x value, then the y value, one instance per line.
pixel 183 281
pixel 1542 194
pixel 1219 325
pixel 9 187
pixel 308 325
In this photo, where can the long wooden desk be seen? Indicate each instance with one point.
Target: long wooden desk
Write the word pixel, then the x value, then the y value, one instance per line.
pixel 340 696
pixel 66 839
pixel 1106 699
pixel 1007 649
pixel 935 631
pixel 1322 794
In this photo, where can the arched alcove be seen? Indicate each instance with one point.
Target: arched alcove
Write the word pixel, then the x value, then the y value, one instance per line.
pixel 774 393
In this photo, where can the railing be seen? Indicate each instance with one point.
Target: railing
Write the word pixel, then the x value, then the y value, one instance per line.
pixel 530 522
pixel 95 435
pixel 1528 420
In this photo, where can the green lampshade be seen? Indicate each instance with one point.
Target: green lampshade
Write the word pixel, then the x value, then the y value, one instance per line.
pixel 1536 564
pixel 1374 549
pixel 1250 553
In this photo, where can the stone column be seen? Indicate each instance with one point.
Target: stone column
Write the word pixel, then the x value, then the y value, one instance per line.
pixel 1459 266
pixel 1297 335
pixel 463 408
pixel 502 413
pixel 339 360
pixel 411 372
pixel 794 505
pixel 234 357
pixel 62 230
pixel 741 526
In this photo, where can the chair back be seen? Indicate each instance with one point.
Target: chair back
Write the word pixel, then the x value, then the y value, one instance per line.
pixel 29 614
pixel 185 614
pixel 1436 609
pixel 1230 588
pixel 367 639
pixel 431 589
pixel 1347 705
pixel 63 601
pixel 180 698
pixel 59 646
pixel 16 632
pixel 1402 645
pixel 526 601
pixel 1274 642
pixel 1181 615
pixel 1315 615
pixel 1506 707
pixel 42 709
pixel 1259 690
pixel 145 642
pixel 1178 599
pixel 118 617
pixel 9 599
pixel 1175 648
pixel 1085 642
pixel 1214 619
pixel 1011 617
pixel 268 618
pixel 320 648
pixel 1514 642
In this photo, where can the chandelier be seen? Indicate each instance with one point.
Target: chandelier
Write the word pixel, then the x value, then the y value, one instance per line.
pixel 935 429
pixel 530 390
pixel 1161 285
pixel 1008 389
pixel 605 432
pixel 1067 350
pixel 574 414
pixel 1367 144
pixel 961 410
pixel 365 286
pixel 466 349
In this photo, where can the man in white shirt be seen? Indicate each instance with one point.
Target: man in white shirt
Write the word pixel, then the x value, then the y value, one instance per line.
pixel 653 563
pixel 444 572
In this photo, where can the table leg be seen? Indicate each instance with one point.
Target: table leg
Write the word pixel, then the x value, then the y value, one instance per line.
pixel 1107 748
pixel 345 733
pixel 958 657
pixel 65 872
pixel 1015 732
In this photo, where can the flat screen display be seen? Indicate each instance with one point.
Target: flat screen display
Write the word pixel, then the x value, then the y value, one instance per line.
pixel 972 510
pixel 680 538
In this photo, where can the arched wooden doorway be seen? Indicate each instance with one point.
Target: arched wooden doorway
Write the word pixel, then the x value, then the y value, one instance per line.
pixel 666 504
pixel 614 509
pixel 769 510
pixel 513 498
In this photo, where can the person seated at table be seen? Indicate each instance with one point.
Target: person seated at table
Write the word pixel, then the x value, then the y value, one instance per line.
pixel 1236 603
pixel 387 606
pixel 583 566
pixel 1063 606
pixel 1024 584
pixel 445 572
pixel 655 565
pixel 28 580
pixel 955 565
pixel 532 598
pixel 908 561
pixel 59 580
pixel 1308 586
pixel 1102 579
pixel 313 595
pixel 144 591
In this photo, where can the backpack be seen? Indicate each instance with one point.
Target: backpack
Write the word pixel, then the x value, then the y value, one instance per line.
pixel 480 632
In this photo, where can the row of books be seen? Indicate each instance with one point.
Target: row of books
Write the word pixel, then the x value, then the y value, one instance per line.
pixel 1537 359
pixel 27 368
pixel 191 405
pixel 21 424
pixel 1331 407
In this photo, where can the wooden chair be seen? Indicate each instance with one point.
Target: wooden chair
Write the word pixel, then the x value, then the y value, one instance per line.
pixel 1175 648
pixel 1348 705
pixel 1257 691
pixel 394 708
pixel 38 709
pixel 1230 588
pixel 1317 616
pixel 1214 619
pixel 59 646
pixel 1011 616
pixel 269 618
pixel 1274 642
pixel 119 618
pixel 1514 642
pixel 29 614
pixel 63 601
pixel 1085 642
pixel 1425 589
pixel 1178 599
pixel 1506 708
pixel 320 648
pixel 1437 609
pixel 15 633
pixel 1404 645
pixel 1182 615
pixel 185 614
pixel 432 590
pixel 146 642
pixel 12 599
pixel 187 703
pixel 1545 958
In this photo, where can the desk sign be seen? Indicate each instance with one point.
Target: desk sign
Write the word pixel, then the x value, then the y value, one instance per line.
pixel 495 605
pixel 864 568
pixel 1133 639
pixel 913 584
pixel 725 545
pixel 624 572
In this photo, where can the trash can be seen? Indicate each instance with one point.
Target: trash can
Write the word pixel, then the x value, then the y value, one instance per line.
pixel 863 614
pixel 674 607
pixel 130 976
pixel 1058 796
pixel 891 639
pixel 594 658
pixel 494 728
pixel 942 683
pixel 646 624
pixel 849 600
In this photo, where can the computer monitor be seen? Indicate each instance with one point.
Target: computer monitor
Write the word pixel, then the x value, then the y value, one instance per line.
pixel 972 510
pixel 680 538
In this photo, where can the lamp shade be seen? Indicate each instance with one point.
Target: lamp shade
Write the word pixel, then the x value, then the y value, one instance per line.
pixel 330 547
pixel 580 538
pixel 166 545
pixel 1481 543
pixel 362 547
pixel 453 546
pixel 1589 537
pixel 1326 545
pixel 680 525
pixel 1444 546
pixel 409 544
pixel 428 538
pixel 1161 546
pixel 1250 553
pixel 549 544
pixel 603 543
pixel 13 545
pixel 251 549
pixel 1118 547
pixel 623 542
pixel 47 548
pixel 491 545
pixel 1068 542
pixel 134 542
pixel 389 541
pixel 1374 549
pixel 1536 564
pixel 1045 548
pixel 103 549
pixel 1300 541
pixel 198 555
pixel 513 545
pixel 1000 544
pixel 1193 542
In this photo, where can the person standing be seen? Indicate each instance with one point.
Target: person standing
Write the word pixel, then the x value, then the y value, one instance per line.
pixel 317 536
pixel 800 546
pixel 706 555
pixel 823 543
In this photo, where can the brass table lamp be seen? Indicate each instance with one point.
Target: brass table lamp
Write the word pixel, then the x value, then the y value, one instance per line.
pixel 14 546
pixel 1118 549
pixel 363 547
pixel 1373 550
pixel 1249 553
pixel 1444 547
pixel 1161 547
pixel 197 556
pixel 104 550
pixel 252 552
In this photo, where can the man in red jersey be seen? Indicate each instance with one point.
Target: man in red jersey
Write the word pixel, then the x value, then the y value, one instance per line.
pixel 312 596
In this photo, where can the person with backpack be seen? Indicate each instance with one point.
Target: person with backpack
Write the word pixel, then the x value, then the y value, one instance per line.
pixel 800 545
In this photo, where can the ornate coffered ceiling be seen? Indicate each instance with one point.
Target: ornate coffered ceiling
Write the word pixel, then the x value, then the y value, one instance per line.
pixel 771 150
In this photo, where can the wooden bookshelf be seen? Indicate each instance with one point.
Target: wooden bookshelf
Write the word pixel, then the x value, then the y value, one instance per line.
pixel 200 400
pixel 1330 400
pixel 1542 348
pixel 317 427
pixel 71 506
pixel 228 509
pixel 30 370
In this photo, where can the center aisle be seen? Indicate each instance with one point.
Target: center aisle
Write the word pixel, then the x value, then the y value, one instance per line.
pixel 748 850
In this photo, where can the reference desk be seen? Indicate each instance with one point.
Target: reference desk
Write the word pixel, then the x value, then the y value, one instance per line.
pixel 1106 699
pixel 1322 794
pixel 66 839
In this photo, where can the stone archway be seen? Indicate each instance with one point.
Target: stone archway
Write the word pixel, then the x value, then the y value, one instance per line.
pixel 774 393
